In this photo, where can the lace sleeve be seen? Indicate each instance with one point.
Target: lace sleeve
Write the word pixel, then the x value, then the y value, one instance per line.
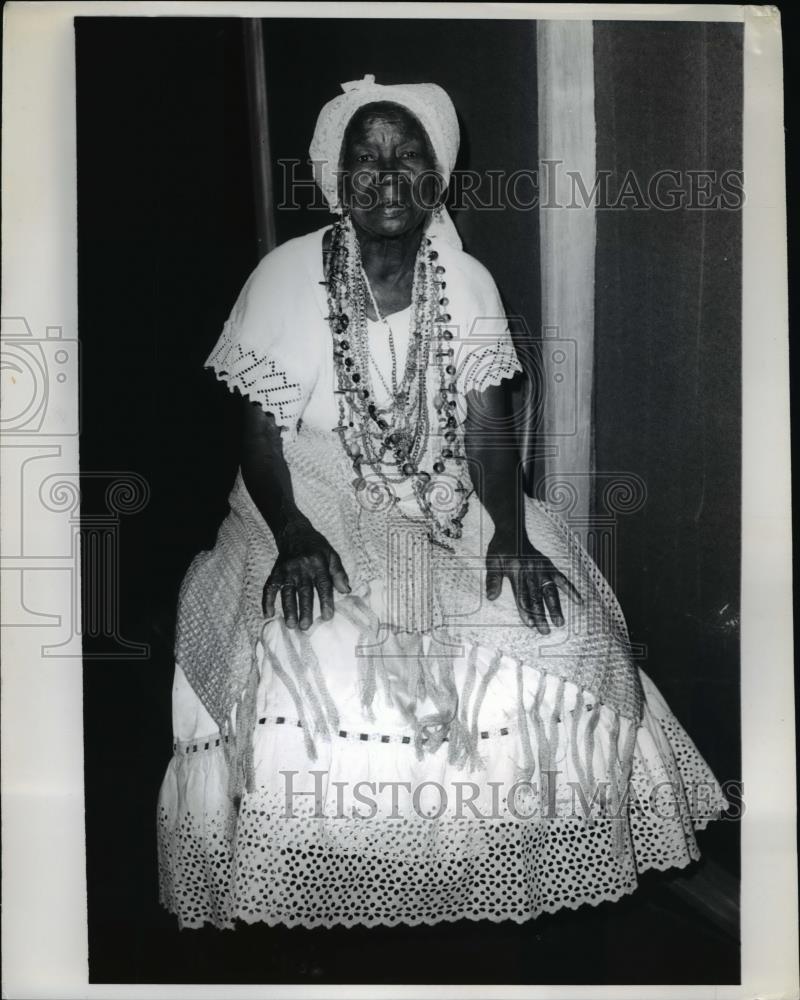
pixel 489 362
pixel 485 353
pixel 257 374
pixel 261 351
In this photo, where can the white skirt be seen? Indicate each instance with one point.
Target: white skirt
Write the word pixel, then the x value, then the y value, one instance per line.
pixel 354 823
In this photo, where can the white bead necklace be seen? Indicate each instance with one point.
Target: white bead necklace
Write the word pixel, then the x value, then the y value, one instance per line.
pixel 392 349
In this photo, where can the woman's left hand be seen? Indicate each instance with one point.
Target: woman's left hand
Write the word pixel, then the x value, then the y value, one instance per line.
pixel 534 581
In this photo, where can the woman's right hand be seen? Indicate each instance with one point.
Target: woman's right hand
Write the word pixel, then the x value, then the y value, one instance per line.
pixel 305 563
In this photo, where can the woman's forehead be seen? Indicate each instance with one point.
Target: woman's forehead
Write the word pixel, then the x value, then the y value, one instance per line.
pixel 384 113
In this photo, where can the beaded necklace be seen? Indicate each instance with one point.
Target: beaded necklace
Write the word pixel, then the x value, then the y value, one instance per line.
pixel 392 349
pixel 391 440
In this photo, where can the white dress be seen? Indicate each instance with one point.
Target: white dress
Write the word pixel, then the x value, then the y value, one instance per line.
pixel 313 782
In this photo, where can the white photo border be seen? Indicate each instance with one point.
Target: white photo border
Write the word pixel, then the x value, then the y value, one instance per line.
pixel 45 940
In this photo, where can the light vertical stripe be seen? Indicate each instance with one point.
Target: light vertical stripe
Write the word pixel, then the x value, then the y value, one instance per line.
pixel 567 234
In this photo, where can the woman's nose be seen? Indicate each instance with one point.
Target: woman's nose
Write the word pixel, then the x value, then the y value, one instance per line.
pixel 389 166
pixel 391 174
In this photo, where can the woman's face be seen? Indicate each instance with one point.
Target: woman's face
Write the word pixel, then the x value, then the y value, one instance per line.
pixel 389 177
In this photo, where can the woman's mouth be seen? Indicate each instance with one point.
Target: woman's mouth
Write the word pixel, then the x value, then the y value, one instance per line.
pixel 392 208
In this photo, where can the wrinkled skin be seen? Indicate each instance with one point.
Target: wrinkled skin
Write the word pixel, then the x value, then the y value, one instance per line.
pixel 306 564
pixel 389 181
pixel 534 582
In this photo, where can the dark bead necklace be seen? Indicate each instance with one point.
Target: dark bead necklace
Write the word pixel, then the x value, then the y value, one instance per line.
pixel 391 440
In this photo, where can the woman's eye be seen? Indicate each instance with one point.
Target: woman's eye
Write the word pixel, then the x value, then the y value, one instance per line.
pixel 409 154
pixel 364 157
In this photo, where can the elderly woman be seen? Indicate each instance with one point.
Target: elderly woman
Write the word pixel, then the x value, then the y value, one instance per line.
pixel 403 691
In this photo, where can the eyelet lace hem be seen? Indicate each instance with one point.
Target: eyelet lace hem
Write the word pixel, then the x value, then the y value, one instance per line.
pixel 218 864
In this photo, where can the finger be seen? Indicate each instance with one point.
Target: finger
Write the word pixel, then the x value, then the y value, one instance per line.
pixel 305 599
pixel 338 575
pixel 538 617
pixel 289 602
pixel 519 590
pixel 324 585
pixel 565 583
pixel 525 599
pixel 270 592
pixel 494 578
pixel 551 602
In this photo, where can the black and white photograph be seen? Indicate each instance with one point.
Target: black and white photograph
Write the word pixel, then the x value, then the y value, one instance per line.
pixel 408 540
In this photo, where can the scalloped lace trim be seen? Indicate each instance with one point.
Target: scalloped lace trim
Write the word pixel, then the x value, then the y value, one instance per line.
pixel 258 865
pixel 490 365
pixel 257 377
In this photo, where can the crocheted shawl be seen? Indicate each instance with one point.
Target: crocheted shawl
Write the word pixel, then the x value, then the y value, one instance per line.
pixel 219 615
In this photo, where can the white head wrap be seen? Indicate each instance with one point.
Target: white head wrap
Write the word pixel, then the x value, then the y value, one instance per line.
pixel 426 101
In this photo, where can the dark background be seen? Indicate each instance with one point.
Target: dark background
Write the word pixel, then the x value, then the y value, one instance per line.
pixel 166 238
pixel 668 364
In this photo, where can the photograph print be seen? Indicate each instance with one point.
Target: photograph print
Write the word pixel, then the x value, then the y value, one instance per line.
pixel 420 342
